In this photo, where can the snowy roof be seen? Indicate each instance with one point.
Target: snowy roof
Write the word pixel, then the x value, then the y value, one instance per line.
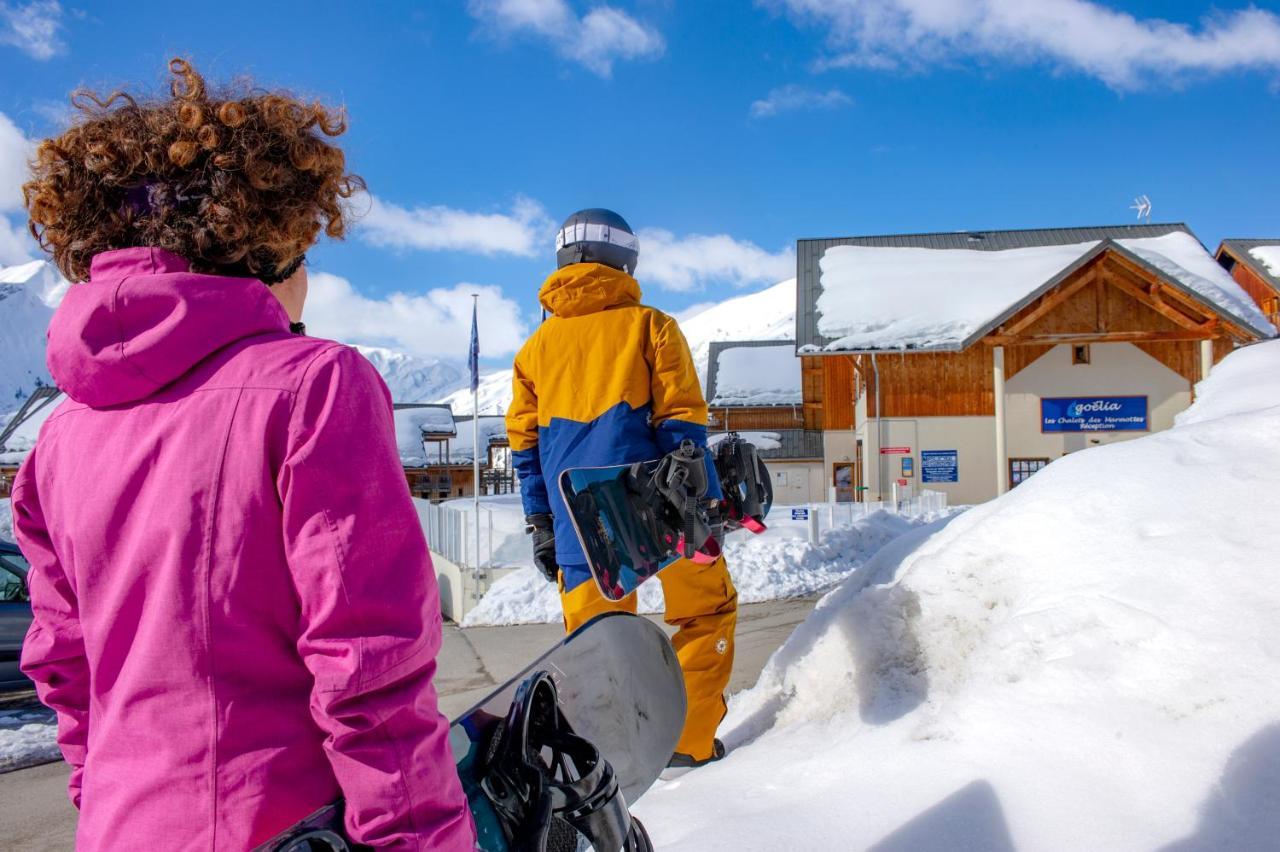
pixel 491 429
pixel 779 444
pixel 416 422
pixel 753 373
pixel 945 291
pixel 1261 256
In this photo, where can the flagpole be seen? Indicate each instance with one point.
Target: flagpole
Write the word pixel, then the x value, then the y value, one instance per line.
pixel 475 421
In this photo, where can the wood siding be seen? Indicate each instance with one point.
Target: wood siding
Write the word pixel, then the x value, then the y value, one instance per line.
pixel 744 418
pixel 1259 290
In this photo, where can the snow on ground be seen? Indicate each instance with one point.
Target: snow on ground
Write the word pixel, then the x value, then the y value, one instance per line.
pixel 780 563
pixel 27 736
pixel 1090 662
pixel 896 297
pixel 757 375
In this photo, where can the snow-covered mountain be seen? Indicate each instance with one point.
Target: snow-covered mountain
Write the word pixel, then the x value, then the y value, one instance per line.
pixel 26 293
pixel 414 379
pixel 769 314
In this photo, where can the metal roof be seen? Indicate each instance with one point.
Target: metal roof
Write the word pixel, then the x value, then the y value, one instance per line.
pixel 809 253
pixel 713 366
pixel 1239 250
pixel 796 444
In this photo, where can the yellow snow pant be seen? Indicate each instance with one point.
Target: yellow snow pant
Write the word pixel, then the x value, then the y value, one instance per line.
pixel 703 604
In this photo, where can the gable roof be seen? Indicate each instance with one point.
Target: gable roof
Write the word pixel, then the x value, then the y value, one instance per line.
pixel 943 292
pixel 753 373
pixel 1261 256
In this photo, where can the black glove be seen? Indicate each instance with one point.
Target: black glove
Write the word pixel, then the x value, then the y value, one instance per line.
pixel 544 544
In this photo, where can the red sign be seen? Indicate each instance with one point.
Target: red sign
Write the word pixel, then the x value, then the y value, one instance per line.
pixel 895 451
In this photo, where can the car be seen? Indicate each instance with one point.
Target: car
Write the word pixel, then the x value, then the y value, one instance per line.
pixel 15 615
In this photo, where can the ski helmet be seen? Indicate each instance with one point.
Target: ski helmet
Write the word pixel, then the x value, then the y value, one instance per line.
pixel 597 236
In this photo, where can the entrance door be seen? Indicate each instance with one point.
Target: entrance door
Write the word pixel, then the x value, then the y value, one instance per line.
pixel 843 477
pixel 1021 469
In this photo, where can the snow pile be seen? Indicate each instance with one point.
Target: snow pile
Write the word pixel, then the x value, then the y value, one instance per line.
pixel 6 520
pixel 1090 662
pixel 920 298
pixel 28 736
pixel 777 564
pixel 1268 256
pixel 757 375
pixel 414 379
pixel 24 317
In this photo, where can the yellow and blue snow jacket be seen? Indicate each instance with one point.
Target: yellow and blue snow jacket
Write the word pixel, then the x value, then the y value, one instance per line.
pixel 604 380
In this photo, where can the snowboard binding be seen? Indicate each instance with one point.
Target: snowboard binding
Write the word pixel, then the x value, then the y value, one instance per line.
pixel 748 492
pixel 549 786
pixel 670 499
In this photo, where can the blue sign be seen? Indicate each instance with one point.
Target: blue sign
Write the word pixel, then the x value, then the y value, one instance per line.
pixel 799 514
pixel 1094 414
pixel 939 466
pixel 908 466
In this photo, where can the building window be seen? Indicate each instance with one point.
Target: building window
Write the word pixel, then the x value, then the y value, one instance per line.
pixel 1080 353
pixel 1021 469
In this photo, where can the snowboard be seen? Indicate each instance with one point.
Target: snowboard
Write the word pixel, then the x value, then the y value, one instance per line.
pixel 619 685
pixel 630 530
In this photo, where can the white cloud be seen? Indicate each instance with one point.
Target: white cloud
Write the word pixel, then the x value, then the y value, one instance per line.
pixel 524 231
pixel 16 246
pixel 595 40
pixel 688 263
pixel 15 150
pixel 32 28
pixel 433 323
pixel 791 98
pixel 1088 37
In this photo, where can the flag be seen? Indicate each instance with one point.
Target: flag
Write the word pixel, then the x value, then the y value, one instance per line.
pixel 474 360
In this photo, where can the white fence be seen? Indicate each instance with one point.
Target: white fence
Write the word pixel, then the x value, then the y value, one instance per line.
pixel 450 532
pixel 826 516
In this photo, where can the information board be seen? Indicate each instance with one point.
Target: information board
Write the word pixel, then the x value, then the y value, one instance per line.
pixel 939 466
pixel 799 514
pixel 1093 414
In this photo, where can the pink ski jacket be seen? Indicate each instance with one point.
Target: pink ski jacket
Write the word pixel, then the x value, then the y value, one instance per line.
pixel 236 617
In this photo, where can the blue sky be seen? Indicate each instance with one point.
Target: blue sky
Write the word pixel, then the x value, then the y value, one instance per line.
pixel 722 130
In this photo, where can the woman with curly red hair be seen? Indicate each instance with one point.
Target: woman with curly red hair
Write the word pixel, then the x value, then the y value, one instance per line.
pixel 236 618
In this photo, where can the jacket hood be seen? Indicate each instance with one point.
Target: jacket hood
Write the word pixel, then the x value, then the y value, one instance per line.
pixel 144 319
pixel 586 288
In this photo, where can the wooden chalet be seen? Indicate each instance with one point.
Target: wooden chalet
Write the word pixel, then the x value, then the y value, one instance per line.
pixel 964 362
pixel 18 436
pixel 1255 266
pixel 436 451
pixel 754 388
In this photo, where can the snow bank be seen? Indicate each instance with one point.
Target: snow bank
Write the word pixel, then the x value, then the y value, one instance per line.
pixel 6 520
pixel 897 298
pixel 1090 662
pixel 28 736
pixel 778 564
pixel 757 375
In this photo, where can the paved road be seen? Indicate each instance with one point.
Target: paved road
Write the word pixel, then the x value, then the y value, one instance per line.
pixel 35 815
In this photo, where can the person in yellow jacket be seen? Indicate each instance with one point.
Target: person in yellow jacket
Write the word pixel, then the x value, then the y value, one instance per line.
pixel 606 380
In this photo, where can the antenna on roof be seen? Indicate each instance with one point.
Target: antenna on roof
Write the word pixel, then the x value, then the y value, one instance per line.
pixel 1143 205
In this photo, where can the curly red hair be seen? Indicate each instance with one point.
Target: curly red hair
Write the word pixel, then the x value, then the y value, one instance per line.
pixel 235 182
